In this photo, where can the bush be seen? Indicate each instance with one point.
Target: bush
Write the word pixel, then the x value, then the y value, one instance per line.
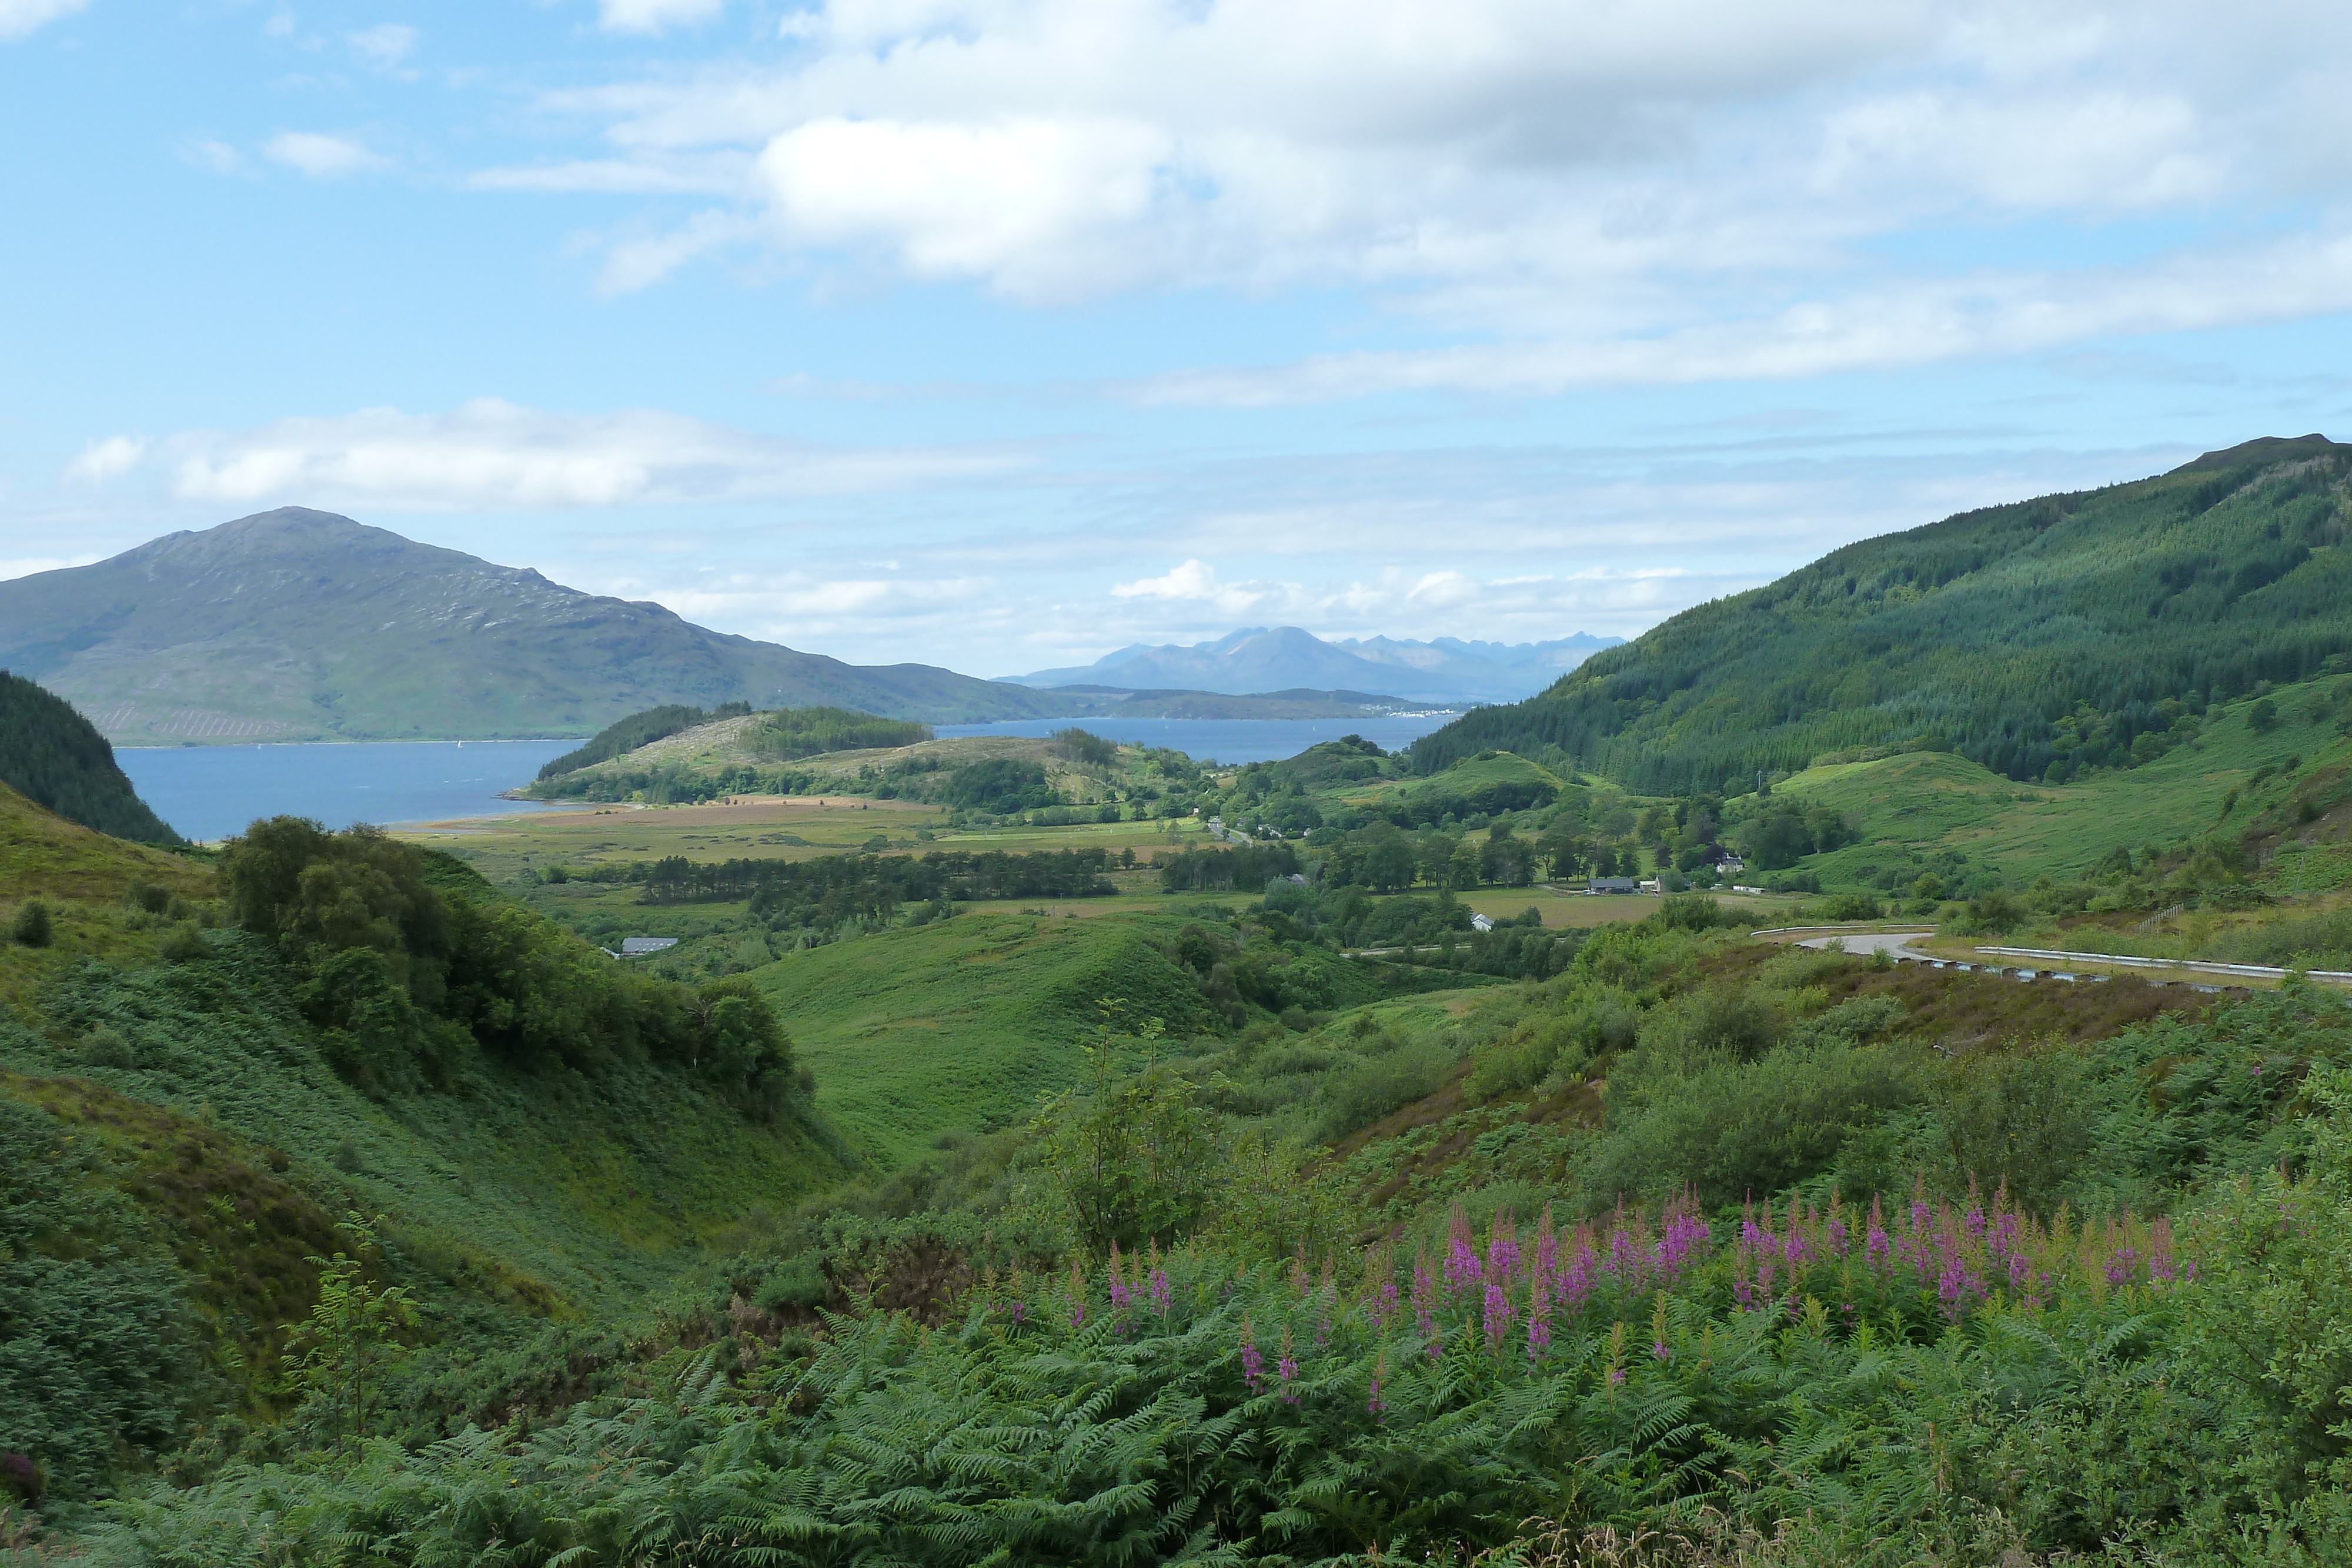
pixel 1735 1130
pixel 1359 1095
pixel 31 927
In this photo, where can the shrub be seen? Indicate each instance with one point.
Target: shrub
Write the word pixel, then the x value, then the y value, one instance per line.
pixel 1359 1095
pixel 32 926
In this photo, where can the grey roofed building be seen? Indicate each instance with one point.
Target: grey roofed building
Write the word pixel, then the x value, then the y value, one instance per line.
pixel 1481 922
pixel 1611 885
pixel 639 946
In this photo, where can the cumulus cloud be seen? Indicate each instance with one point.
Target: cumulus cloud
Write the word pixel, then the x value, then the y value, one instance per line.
pixel 1581 191
pixel 19 17
pixel 490 454
pixel 385 46
pixel 108 459
pixel 320 156
pixel 648 16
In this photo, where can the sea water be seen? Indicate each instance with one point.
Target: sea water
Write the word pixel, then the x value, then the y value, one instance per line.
pixel 210 792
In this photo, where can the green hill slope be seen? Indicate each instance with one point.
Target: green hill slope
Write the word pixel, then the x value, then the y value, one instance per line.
pixel 180 1132
pixel 54 757
pixel 2038 639
pixel 297 624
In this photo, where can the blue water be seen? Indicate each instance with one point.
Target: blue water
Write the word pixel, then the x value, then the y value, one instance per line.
pixel 214 791
pixel 1223 739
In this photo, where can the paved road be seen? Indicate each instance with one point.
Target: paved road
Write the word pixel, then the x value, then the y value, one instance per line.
pixel 1894 944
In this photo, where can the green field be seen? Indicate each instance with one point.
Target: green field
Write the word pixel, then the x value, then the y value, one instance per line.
pixel 963 1024
pixel 1936 801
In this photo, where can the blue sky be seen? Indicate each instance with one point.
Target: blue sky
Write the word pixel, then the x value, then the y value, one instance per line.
pixel 1000 333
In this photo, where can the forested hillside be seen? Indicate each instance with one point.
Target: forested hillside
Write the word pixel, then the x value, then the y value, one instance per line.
pixel 2038 639
pixel 54 757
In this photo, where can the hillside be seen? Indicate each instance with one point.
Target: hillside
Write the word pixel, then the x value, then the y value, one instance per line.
pixel 2039 639
pixel 53 756
pixel 1257 659
pixel 189 1106
pixel 296 624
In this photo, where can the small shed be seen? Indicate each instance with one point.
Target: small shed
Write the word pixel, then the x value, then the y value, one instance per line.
pixel 1481 922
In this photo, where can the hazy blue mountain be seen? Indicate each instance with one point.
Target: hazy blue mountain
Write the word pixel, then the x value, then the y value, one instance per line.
pixel 1258 659
pixel 296 624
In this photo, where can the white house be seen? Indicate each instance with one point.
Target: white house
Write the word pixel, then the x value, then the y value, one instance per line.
pixel 1481 922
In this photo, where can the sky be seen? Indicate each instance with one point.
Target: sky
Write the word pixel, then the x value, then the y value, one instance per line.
pixel 998 334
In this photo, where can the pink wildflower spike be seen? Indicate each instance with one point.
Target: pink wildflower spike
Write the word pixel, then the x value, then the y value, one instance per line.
pixel 1425 1305
pixel 1874 1244
pixel 1498 1316
pixel 1462 1267
pixel 1502 1250
pixel 1538 1317
pixel 2160 1251
pixel 1163 1293
pixel 1252 1363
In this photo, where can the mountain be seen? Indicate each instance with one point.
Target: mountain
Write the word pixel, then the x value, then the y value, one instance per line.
pixel 56 758
pixel 303 625
pixel 2040 639
pixel 1258 659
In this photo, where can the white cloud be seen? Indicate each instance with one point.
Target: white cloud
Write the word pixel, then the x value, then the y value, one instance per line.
pixel 19 17
pixel 108 459
pixel 655 15
pixel 319 156
pixel 385 46
pixel 216 157
pixel 1587 192
pixel 490 454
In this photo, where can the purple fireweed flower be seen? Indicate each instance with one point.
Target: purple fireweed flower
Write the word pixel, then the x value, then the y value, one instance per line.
pixel 1661 1351
pixel 1616 1374
pixel 1163 1293
pixel 2119 1265
pixel 1286 1369
pixel 1462 1267
pixel 1502 1257
pixel 1252 1363
pixel 2160 1251
pixel 1576 1283
pixel 1500 1316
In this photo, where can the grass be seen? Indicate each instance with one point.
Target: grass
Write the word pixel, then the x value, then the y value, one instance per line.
pixel 801 828
pixel 964 1024
pixel 1930 801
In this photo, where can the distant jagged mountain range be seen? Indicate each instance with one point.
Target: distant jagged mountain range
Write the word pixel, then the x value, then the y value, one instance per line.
pixel 1259 659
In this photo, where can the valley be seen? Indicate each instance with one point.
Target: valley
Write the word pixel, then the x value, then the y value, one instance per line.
pixel 1303 1145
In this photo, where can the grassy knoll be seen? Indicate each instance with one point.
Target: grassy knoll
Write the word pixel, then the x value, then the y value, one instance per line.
pixel 1936 801
pixel 963 1024
pixel 797 828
